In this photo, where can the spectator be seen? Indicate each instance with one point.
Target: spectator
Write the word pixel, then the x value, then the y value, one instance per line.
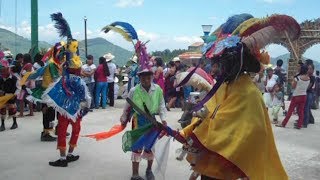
pixel 116 88
pixel 87 71
pixel 317 90
pixel 27 67
pixel 38 63
pixel 124 92
pixel 259 80
pixel 177 62
pixel 133 77
pixel 110 79
pixel 281 73
pixel 276 102
pixel 158 75
pixel 17 63
pixel 101 75
pixel 215 70
pixel 270 81
pixel 299 96
pixel 308 117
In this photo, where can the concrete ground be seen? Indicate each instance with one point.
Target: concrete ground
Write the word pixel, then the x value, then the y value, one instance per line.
pixel 23 156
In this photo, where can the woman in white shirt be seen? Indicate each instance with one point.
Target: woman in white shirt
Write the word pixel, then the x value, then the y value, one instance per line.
pixel 300 84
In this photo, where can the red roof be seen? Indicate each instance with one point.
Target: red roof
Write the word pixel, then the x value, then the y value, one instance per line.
pixel 190 55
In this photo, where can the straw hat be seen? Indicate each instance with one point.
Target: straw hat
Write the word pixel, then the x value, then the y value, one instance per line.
pixel 175 59
pixel 134 59
pixel 108 57
pixel 125 79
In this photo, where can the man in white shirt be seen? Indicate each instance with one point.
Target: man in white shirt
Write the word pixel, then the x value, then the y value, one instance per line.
pixel 87 72
pixel 110 79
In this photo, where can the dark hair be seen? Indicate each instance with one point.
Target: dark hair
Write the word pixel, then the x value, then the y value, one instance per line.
pixel 171 64
pixel 230 62
pixel 90 57
pixel 309 62
pixel 103 61
pixel 37 59
pixel 317 73
pixel 27 58
pixel 279 62
pixel 303 70
pixel 19 55
pixel 159 61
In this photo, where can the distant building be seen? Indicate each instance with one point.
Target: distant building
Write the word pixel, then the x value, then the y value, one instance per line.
pixel 193 55
pixel 195 47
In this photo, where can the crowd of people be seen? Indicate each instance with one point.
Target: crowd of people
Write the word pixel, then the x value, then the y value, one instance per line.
pixel 303 92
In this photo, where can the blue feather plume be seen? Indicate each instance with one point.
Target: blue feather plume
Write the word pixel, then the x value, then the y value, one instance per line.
pixel 128 28
pixel 62 25
pixel 233 22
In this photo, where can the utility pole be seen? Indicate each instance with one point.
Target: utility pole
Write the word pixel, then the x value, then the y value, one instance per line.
pixel 85 36
pixel 34 27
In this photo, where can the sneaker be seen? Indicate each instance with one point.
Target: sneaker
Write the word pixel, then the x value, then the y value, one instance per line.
pixel 14 126
pixel 47 138
pixel 59 163
pixel 2 128
pixel 72 158
pixel 149 175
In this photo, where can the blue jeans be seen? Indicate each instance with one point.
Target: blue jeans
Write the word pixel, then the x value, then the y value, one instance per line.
pixel 308 117
pixel 92 93
pixel 101 89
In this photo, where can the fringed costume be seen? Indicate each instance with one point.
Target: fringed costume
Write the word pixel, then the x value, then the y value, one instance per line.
pixel 63 89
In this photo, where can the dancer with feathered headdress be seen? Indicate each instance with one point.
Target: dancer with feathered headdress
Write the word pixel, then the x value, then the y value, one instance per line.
pixel 233 138
pixel 63 89
pixel 146 96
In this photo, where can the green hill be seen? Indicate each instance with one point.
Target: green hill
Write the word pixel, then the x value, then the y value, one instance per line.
pixel 99 46
pixel 7 40
pixel 96 47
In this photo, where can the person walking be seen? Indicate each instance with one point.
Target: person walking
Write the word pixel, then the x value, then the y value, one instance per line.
pixel 101 83
pixel 87 72
pixel 110 79
pixel 308 117
pixel 299 97
pixel 317 90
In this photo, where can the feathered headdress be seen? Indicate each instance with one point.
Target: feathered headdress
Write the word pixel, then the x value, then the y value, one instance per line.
pixel 62 25
pixel 130 34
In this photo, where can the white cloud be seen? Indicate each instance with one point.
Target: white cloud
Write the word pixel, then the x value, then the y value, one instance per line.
pixel 275 50
pixel 129 3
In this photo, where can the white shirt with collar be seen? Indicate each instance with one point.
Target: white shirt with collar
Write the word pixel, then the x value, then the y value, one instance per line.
pixel 112 69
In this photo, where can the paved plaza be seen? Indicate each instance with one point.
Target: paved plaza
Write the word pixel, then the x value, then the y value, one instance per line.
pixel 24 157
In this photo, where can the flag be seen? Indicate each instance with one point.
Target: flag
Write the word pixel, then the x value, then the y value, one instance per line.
pixel 116 129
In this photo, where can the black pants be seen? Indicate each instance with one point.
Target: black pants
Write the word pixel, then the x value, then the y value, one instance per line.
pixel 111 93
pixel 48 117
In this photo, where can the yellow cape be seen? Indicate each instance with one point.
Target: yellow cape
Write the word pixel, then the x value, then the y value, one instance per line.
pixel 239 137
pixel 4 99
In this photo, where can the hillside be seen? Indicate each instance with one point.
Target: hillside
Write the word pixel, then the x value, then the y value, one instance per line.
pixel 285 59
pixel 99 46
pixel 7 40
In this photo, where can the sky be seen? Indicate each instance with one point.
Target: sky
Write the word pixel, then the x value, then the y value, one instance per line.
pixel 168 24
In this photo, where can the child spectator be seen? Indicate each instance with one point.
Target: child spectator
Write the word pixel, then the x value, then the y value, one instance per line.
pixel 277 102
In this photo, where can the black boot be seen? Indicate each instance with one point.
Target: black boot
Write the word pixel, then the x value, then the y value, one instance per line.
pixel 59 163
pixel 72 158
pixel 2 128
pixel 14 125
pixel 46 137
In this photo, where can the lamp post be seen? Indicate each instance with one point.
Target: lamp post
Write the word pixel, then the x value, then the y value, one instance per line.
pixel 85 36
pixel 206 31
